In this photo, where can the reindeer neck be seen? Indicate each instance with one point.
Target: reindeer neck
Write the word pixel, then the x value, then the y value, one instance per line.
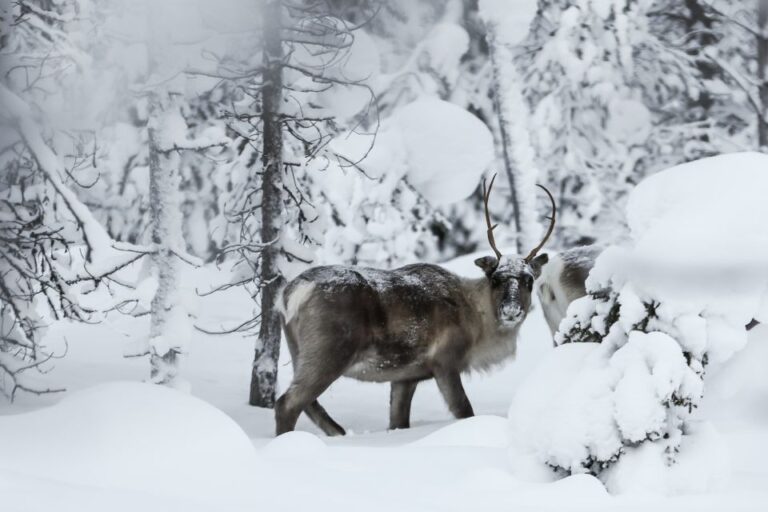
pixel 478 293
pixel 492 344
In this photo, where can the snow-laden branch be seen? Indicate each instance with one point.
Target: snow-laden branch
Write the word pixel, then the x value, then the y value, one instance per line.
pixel 754 30
pixel 194 145
pixel 744 84
pixel 11 370
pixel 103 256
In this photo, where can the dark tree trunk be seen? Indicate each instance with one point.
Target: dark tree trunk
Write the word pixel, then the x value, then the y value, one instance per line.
pixel 699 24
pixel 762 72
pixel 264 372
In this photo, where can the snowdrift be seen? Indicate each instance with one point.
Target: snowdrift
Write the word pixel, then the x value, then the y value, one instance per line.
pixel 129 436
pixel 479 431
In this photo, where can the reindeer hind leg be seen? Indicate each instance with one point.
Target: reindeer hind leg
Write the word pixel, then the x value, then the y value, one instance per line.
pixel 310 380
pixel 322 419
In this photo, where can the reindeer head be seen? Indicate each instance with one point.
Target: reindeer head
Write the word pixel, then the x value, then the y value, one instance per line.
pixel 511 277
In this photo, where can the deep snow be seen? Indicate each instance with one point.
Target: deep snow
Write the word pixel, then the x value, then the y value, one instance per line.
pixel 668 305
pixel 129 446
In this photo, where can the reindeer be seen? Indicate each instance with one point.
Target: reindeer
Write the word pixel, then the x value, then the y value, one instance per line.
pixel 402 326
pixel 563 280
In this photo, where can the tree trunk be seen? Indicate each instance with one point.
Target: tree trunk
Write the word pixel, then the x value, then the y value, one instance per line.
pixel 264 371
pixel 506 142
pixel 168 318
pixel 699 25
pixel 518 154
pixel 762 73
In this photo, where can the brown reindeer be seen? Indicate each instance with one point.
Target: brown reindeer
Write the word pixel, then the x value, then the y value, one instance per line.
pixel 402 326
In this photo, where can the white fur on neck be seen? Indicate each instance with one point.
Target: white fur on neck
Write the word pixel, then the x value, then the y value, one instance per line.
pixel 493 344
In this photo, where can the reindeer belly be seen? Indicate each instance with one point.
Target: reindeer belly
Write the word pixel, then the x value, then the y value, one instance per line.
pixel 388 361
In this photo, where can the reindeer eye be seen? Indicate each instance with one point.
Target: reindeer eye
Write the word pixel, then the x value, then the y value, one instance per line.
pixel 527 282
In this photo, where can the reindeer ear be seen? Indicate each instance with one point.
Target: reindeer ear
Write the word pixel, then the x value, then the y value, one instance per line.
pixel 538 263
pixel 488 264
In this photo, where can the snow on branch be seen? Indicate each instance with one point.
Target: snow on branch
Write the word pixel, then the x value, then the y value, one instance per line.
pixel 102 256
pixel 200 144
pixel 752 29
pixel 744 82
pixel 12 370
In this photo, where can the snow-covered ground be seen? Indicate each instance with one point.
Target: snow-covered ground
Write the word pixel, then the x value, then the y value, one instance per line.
pixel 112 443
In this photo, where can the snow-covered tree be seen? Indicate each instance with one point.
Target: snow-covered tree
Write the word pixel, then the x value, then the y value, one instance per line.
pixel 155 137
pixel 51 243
pixel 632 358
pixel 54 249
pixel 49 64
pixel 114 108
pixel 506 28
pixel 600 82
pixel 168 139
pixel 738 54
pixel 281 84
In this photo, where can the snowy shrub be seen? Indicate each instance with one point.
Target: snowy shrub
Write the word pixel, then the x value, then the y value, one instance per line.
pixel 633 353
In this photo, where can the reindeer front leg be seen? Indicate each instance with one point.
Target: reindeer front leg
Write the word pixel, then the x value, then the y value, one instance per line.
pixel 400 397
pixel 449 384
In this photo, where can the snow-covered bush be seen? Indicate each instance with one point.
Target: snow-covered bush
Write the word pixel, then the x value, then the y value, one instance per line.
pixel 633 353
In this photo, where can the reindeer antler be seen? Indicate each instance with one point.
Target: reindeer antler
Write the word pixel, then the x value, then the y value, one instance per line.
pixel 551 226
pixel 491 239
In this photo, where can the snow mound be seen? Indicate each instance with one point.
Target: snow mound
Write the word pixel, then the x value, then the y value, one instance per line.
pixel 581 488
pixel 739 388
pixel 128 435
pixel 563 411
pixel 699 234
pixel 712 209
pixel 480 431
pixel 702 465
pixel 295 443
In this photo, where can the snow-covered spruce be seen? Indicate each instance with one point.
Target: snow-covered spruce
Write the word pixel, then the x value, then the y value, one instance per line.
pixel 631 363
